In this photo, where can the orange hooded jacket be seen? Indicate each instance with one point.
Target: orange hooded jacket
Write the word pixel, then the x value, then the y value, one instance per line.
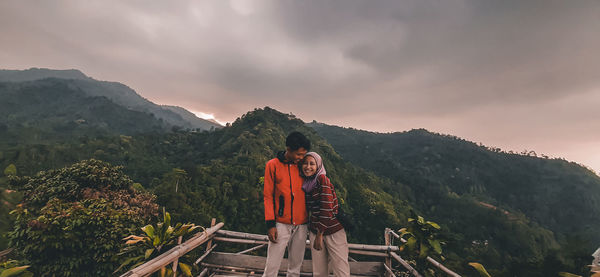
pixel 283 195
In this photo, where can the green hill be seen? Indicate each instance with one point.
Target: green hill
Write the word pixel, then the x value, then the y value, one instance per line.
pixel 200 175
pixel 118 93
pixel 559 196
pixel 54 110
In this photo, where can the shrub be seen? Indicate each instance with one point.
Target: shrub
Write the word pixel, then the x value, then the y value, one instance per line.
pixel 71 220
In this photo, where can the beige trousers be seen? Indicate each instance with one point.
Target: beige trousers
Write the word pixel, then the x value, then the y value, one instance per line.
pixel 333 255
pixel 294 238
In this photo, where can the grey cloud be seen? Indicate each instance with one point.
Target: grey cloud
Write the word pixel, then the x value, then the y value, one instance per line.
pixel 456 66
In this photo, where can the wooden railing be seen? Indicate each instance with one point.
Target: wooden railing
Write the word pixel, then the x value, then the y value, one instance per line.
pixel 389 233
pixel 173 254
pixel 252 265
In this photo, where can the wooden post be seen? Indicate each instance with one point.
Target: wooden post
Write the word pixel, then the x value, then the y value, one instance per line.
pixel 209 243
pixel 388 242
pixel 176 261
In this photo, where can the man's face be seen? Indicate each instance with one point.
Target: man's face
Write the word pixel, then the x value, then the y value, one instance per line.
pixel 296 155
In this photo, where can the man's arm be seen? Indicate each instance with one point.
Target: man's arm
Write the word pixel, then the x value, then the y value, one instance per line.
pixel 268 192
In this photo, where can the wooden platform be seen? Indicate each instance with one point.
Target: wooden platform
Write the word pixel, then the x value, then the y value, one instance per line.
pixel 240 264
pixel 214 263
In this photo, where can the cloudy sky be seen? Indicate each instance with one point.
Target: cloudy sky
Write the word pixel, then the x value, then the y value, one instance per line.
pixel 511 74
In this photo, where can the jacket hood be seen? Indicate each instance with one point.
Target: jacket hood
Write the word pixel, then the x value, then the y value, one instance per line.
pixel 281 157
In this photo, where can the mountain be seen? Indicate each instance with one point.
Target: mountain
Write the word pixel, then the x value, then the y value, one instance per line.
pixel 40 73
pixel 49 110
pixel 557 195
pixel 116 92
pixel 200 175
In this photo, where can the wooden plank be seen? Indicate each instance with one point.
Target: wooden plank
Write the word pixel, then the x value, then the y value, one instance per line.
pixel 258 263
pixel 368 253
pixel 205 254
pixel 442 267
pixel 242 235
pixel 257 237
pixel 252 249
pixel 369 247
pixel 244 241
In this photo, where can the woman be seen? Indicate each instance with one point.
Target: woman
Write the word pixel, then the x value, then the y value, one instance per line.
pixel 327 235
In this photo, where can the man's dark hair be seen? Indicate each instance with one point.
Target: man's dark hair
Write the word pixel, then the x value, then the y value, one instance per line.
pixel 295 140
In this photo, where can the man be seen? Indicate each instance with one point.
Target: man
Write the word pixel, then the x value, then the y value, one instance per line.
pixel 285 207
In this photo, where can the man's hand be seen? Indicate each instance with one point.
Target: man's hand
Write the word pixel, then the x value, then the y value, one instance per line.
pixel 272 233
pixel 318 244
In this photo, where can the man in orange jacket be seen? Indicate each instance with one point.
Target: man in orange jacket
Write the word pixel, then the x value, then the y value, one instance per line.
pixel 285 207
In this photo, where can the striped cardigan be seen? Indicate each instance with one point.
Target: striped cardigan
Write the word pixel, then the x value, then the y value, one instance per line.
pixel 322 204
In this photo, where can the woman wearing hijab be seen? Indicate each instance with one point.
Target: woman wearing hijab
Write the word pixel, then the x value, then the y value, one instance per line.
pixel 327 235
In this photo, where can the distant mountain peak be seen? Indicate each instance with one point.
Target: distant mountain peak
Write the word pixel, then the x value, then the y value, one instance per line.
pixel 35 73
pixel 114 91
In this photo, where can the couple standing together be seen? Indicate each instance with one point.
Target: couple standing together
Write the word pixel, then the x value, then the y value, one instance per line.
pixel 299 201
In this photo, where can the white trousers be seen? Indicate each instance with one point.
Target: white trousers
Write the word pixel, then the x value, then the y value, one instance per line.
pixel 333 255
pixel 294 238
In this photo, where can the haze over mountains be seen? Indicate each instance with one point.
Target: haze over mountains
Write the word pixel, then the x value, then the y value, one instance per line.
pixel 116 92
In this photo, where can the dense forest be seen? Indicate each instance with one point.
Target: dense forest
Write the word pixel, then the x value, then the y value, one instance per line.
pixel 519 215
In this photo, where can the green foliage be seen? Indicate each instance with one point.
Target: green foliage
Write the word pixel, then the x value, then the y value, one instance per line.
pixel 8 201
pixel 422 240
pixel 71 220
pixel 156 240
pixel 13 268
pixel 480 269
pixel 10 170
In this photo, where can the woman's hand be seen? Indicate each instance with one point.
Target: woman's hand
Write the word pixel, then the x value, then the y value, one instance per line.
pixel 318 244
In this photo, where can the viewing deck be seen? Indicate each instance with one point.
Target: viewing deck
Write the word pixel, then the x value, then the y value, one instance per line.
pixel 213 263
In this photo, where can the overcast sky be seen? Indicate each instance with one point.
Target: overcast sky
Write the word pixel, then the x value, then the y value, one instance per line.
pixel 511 74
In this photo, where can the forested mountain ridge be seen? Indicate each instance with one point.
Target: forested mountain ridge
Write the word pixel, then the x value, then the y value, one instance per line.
pixel 118 93
pixel 200 175
pixel 560 196
pixel 50 110
pixel 33 74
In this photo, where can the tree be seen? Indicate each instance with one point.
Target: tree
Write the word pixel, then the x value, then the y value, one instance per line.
pixel 71 220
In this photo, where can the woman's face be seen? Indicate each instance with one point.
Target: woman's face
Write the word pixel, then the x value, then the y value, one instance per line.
pixel 309 166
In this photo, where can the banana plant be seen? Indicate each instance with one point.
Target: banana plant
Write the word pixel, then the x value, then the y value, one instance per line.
pixel 155 240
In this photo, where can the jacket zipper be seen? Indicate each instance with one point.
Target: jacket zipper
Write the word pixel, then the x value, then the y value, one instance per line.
pixel 292 195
